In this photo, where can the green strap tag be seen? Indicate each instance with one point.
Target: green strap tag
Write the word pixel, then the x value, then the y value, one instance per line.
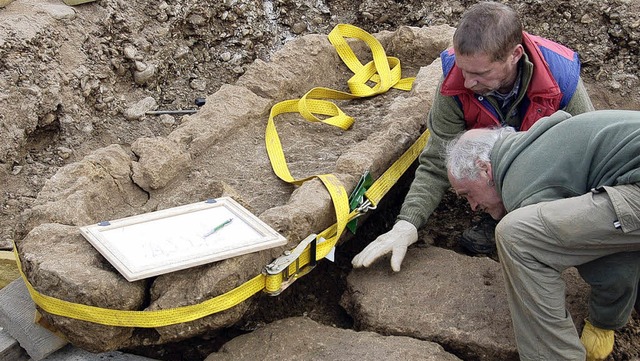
pixel 357 197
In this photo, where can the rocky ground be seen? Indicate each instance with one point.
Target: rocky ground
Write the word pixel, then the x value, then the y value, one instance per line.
pixel 69 77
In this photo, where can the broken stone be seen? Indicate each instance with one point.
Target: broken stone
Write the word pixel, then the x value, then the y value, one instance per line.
pixel 145 76
pixel 314 341
pixel 130 52
pixel 198 84
pixel 140 66
pixel 181 52
pixel 60 12
pixel 77 2
pixel 160 160
pixel 167 119
pixel 96 188
pixel 139 109
pixel 441 296
pixel 299 28
pixel 64 152
pixel 226 56
pixel 221 150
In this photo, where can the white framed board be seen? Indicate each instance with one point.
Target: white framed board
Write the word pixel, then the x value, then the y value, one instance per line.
pixel 177 238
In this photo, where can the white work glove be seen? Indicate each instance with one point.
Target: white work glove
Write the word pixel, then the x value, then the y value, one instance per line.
pixel 397 240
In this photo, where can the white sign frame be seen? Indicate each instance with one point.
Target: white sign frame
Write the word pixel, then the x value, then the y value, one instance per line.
pixel 173 239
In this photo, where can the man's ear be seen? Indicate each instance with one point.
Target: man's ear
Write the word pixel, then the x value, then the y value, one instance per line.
pixel 484 167
pixel 517 53
pixel 490 171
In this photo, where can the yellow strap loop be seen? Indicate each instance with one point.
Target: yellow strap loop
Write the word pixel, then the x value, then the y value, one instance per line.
pixel 374 194
pixel 377 71
pixel 385 73
pixel 309 104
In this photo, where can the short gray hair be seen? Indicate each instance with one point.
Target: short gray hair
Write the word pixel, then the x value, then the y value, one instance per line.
pixel 463 152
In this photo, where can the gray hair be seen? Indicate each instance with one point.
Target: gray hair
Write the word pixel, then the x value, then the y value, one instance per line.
pixel 463 152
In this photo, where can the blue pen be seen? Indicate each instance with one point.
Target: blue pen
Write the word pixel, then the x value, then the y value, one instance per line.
pixel 217 228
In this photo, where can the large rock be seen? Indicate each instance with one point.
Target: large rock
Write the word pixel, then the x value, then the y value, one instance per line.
pixel 301 338
pixel 68 267
pixel 216 152
pixel 445 297
pixel 98 187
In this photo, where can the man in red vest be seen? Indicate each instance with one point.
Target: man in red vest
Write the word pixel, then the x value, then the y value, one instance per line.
pixel 498 75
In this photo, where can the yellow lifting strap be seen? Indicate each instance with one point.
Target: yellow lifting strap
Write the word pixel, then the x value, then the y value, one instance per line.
pixel 329 237
pixel 378 71
pixel 144 319
pixel 385 72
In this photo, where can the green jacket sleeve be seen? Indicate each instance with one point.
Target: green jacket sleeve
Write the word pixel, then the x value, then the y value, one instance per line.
pixel 580 102
pixel 427 189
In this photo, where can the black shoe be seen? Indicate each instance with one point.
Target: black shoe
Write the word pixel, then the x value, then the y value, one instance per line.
pixel 480 239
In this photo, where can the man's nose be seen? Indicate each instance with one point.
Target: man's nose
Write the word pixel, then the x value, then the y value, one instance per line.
pixel 473 204
pixel 470 81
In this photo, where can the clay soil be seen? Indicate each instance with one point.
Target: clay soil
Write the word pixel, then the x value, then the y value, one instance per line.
pixel 68 86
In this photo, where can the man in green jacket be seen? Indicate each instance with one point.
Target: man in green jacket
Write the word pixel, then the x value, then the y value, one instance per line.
pixel 555 212
pixel 498 75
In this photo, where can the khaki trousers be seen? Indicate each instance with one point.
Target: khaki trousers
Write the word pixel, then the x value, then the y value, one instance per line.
pixel 537 242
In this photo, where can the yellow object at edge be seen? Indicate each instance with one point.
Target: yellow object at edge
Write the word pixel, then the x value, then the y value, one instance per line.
pixel 597 342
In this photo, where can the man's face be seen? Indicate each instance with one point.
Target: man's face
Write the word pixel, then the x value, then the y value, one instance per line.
pixel 482 75
pixel 480 194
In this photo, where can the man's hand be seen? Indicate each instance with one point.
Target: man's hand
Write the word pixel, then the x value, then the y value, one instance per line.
pixel 597 341
pixel 396 241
